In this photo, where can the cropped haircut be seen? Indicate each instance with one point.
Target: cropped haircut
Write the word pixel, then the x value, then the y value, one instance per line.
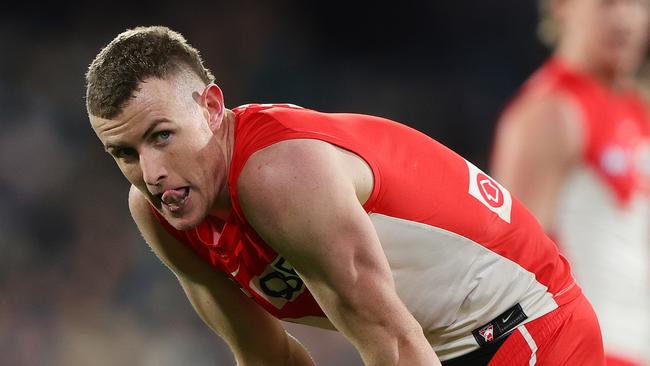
pixel 133 56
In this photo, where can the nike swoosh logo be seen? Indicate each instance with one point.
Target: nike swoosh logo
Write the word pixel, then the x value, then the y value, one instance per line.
pixel 503 320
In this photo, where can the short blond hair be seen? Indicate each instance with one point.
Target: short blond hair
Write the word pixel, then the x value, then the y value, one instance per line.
pixel 548 29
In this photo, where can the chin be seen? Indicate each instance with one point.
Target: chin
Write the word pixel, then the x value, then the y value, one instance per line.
pixel 619 62
pixel 184 223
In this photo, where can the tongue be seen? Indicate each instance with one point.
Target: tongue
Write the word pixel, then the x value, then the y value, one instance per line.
pixel 174 196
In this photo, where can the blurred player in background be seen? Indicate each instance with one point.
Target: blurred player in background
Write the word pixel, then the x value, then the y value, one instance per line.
pixel 342 221
pixel 573 146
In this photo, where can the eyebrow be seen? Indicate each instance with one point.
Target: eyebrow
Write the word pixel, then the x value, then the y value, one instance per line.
pixel 153 125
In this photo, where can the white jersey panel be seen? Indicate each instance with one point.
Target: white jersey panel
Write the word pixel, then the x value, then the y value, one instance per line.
pixel 453 285
pixel 608 245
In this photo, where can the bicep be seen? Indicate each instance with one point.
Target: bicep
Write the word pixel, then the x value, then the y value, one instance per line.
pixel 217 300
pixel 309 212
pixel 535 148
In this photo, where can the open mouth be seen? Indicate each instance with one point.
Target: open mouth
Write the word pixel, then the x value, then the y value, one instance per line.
pixel 175 199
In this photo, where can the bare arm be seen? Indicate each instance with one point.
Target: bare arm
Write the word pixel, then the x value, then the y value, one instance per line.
pixel 535 148
pixel 307 209
pixel 254 336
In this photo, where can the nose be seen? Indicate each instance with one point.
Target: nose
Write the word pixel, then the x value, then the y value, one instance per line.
pixel 153 168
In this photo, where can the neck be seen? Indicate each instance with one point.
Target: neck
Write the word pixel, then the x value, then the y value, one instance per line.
pixel 222 208
pixel 610 77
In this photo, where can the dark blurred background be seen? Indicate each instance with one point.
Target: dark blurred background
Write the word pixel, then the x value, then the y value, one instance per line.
pixel 78 286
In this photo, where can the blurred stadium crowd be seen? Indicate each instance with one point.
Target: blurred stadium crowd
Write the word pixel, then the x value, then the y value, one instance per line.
pixel 78 286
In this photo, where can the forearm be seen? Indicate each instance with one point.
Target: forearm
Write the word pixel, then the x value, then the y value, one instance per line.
pixel 403 352
pixel 253 335
pixel 402 344
pixel 292 353
pixel 375 320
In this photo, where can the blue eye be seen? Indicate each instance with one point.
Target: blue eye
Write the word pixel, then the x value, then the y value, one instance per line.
pixel 162 135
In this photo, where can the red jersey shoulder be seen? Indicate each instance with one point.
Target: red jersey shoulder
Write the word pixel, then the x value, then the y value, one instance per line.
pixel 247 110
pixel 616 136
pixel 615 126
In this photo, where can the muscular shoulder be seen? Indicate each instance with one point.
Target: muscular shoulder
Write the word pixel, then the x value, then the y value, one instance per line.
pixel 304 164
pixel 290 163
pixel 550 122
pixel 141 211
pixel 274 173
pixel 540 110
pixel 138 205
pixel 288 156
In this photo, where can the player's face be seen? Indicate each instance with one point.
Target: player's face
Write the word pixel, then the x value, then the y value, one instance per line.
pixel 167 143
pixel 613 33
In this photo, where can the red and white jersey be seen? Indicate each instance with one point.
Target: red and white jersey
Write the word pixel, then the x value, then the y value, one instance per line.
pixel 462 250
pixel 602 223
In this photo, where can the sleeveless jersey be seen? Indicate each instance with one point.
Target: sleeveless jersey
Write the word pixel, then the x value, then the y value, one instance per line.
pixel 602 222
pixel 462 251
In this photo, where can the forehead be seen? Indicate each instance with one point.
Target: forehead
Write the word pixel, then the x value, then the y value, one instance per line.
pixel 154 99
pixel 153 94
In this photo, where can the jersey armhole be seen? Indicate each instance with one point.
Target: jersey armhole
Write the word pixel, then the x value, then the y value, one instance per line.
pixel 368 206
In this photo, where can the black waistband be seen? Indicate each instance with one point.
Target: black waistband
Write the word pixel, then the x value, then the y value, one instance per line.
pixel 490 336
pixel 480 357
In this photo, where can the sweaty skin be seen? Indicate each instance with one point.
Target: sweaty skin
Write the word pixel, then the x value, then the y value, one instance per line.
pixel 169 147
pixel 173 142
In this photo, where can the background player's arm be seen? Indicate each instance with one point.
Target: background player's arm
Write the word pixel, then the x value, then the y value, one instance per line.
pixel 255 337
pixel 300 199
pixel 536 146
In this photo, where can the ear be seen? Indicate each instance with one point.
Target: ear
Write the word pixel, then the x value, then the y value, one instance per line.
pixel 212 101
